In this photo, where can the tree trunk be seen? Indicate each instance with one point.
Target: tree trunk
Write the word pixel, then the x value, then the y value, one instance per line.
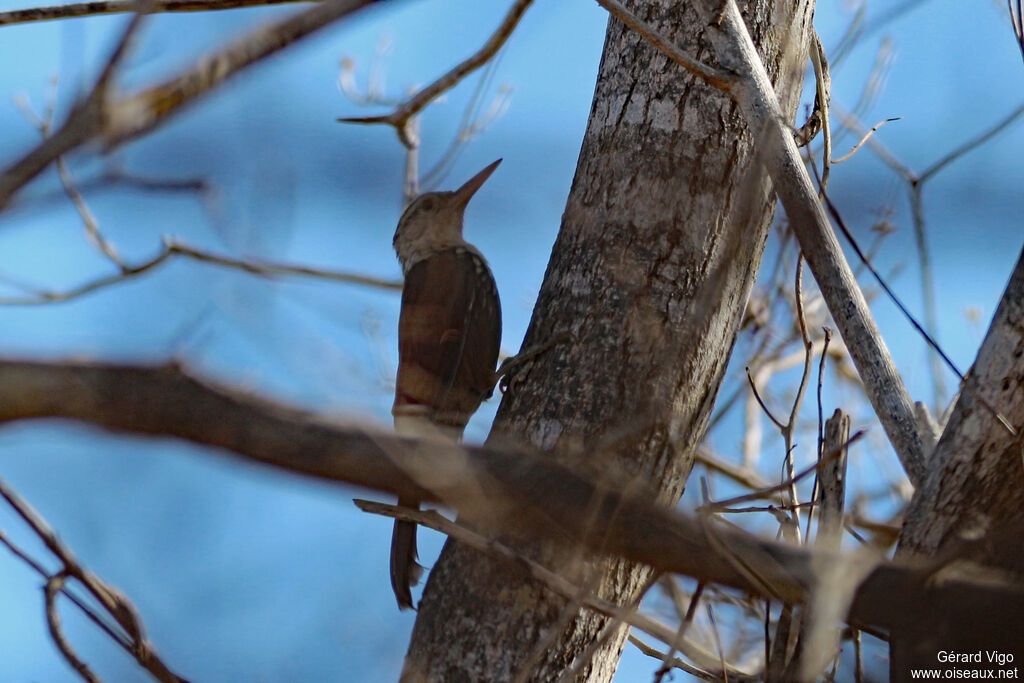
pixel 660 241
pixel 969 510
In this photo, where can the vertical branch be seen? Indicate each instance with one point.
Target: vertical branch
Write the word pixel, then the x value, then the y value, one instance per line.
pixel 821 435
pixel 931 323
pixel 54 586
pixel 787 432
pixel 832 476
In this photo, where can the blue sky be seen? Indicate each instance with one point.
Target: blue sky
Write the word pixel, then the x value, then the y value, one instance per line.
pixel 244 574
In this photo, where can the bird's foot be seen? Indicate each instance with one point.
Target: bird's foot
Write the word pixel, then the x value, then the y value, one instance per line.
pixel 506 378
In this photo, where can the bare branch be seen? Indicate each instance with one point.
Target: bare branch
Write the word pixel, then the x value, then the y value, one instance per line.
pixel 757 101
pixel 274 268
pixel 119 119
pixel 670 661
pixel 717 505
pixel 171 249
pixel 45 123
pixel 53 587
pixel 97 7
pixel 850 121
pixel 133 115
pixel 760 401
pixel 864 138
pixel 832 480
pixel 92 228
pixel 88 611
pixel 113 602
pixel 971 144
pixel 821 428
pixel 401 117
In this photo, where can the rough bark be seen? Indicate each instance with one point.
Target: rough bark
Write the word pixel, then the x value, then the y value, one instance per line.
pixel 661 237
pixel 969 512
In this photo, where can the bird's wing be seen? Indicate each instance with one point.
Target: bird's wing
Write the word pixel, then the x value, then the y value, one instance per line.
pixel 448 337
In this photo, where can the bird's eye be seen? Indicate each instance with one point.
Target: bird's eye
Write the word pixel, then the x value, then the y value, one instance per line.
pixel 428 203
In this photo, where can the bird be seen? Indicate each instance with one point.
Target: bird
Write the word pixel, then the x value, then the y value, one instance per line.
pixel 449 333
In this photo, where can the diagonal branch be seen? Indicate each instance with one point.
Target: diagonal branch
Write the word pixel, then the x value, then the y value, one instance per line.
pixel 117 119
pixel 112 601
pixel 718 78
pixel 400 119
pixel 884 386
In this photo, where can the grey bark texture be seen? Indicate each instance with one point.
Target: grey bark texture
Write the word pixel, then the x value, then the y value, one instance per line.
pixel 660 241
pixel 975 482
pixel 969 512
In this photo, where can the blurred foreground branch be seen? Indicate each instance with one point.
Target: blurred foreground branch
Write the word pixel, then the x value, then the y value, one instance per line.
pixel 115 119
pixel 516 489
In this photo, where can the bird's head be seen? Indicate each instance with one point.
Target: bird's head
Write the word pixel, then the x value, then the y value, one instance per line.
pixel 433 221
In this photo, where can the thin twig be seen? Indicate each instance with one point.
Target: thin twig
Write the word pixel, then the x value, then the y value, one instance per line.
pixel 44 124
pixel 401 116
pixel 729 502
pixel 473 124
pixel 849 120
pixel 675 662
pixel 80 603
pixel 273 268
pixel 92 228
pixel 753 388
pixel 906 313
pixel 876 78
pixel 718 639
pixel 790 427
pixel 171 249
pixel 822 101
pixel 51 590
pixel 864 138
pixel 762 508
pixel 112 601
pixel 684 625
pixel 971 144
pixel 821 427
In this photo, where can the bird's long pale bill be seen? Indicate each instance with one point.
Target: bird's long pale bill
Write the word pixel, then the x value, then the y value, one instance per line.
pixel 466 192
